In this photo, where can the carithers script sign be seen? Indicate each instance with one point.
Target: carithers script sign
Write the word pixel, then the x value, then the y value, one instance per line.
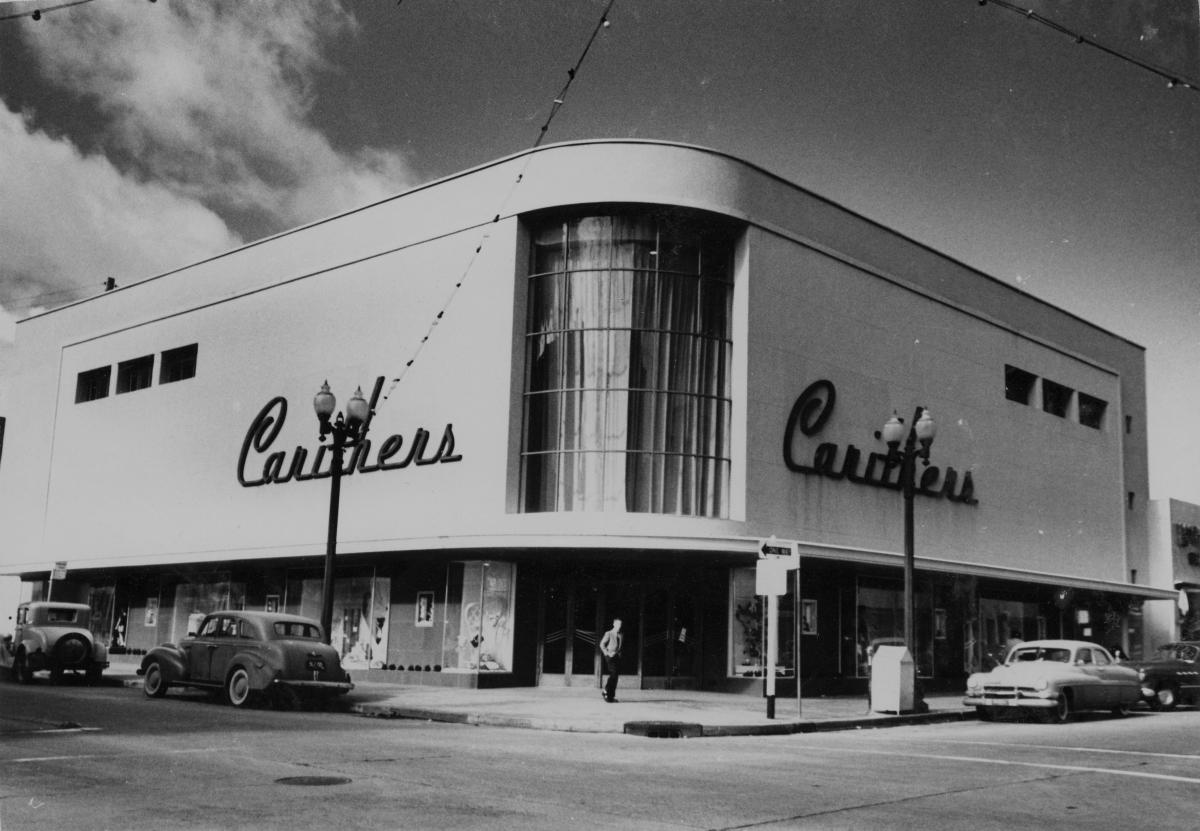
pixel 809 415
pixel 259 464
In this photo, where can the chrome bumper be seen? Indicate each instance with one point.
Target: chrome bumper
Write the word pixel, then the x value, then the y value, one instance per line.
pixel 987 701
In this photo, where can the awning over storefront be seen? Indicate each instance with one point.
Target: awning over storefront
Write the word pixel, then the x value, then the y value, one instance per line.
pixel 848 554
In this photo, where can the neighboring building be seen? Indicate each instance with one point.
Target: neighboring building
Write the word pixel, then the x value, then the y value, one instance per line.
pixel 1175 561
pixel 647 357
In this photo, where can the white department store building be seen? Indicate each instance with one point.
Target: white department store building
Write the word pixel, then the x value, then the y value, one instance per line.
pixel 649 357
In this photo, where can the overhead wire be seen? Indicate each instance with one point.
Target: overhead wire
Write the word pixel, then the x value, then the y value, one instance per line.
pixel 556 105
pixel 559 100
pixel 36 14
pixel 1174 79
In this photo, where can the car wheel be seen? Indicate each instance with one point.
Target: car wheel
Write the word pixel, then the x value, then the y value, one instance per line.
pixel 986 713
pixel 21 672
pixel 1166 697
pixel 238 691
pixel 156 683
pixel 1121 710
pixel 1062 709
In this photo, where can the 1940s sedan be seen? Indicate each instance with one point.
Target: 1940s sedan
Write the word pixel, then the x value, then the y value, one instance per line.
pixel 247 656
pixel 1055 678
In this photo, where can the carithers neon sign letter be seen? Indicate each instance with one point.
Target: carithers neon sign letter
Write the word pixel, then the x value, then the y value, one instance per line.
pixel 812 411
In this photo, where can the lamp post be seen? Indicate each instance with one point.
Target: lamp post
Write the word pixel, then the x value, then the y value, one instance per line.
pixel 916 446
pixel 346 431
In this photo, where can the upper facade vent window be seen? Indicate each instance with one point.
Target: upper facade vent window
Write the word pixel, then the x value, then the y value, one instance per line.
pixel 1018 384
pixel 136 374
pixel 1052 397
pixel 1056 399
pixel 178 364
pixel 93 384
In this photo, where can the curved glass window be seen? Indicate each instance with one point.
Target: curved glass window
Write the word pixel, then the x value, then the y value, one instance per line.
pixel 627 391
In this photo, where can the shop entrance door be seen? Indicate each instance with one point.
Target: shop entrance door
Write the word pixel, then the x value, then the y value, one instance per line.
pixel 670 637
pixel 660 625
pixel 570 630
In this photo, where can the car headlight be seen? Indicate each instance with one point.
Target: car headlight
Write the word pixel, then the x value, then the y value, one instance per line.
pixel 1041 684
pixel 973 683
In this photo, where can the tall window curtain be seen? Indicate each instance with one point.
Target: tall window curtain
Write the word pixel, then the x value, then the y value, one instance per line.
pixel 627 400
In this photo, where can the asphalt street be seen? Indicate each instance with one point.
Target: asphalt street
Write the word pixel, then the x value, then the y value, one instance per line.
pixel 73 756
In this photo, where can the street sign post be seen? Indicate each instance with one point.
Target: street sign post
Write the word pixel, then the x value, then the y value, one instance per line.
pixel 775 559
pixel 59 572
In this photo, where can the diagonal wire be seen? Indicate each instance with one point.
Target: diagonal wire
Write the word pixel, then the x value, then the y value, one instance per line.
pixel 37 13
pixel 1173 79
pixel 572 72
pixel 559 100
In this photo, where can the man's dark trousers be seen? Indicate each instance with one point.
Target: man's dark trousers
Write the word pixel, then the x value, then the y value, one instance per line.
pixel 612 665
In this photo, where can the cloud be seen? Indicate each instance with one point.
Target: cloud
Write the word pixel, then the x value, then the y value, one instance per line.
pixel 69 221
pixel 197 133
pixel 213 100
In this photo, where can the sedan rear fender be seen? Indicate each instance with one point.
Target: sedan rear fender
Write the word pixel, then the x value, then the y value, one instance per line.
pixel 170 658
pixel 261 668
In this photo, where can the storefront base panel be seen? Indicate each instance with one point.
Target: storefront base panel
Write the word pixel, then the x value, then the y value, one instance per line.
pixel 421 678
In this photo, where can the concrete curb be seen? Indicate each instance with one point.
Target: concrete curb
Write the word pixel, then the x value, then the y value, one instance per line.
pixel 570 725
pixel 830 725
pixel 658 729
pixel 648 728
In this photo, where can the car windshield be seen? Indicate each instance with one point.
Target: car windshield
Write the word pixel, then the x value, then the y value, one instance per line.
pixel 1040 653
pixel 1178 652
pixel 296 629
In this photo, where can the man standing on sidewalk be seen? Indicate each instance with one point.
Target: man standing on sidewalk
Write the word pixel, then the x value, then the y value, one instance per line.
pixel 610 647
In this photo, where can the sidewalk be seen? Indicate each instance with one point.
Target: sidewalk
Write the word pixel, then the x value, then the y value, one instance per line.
pixel 654 713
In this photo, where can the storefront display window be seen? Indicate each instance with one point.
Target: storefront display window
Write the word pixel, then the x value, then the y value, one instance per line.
pixel 880 622
pixel 747 628
pixel 1003 623
pixel 477 634
pixel 103 619
pixel 361 606
pixel 195 600
pixel 628 365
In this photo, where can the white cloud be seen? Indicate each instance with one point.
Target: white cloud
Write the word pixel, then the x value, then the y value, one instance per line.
pixel 69 221
pixel 213 100
pixel 203 126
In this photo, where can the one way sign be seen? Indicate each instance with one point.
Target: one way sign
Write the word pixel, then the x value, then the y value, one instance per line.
pixel 774 548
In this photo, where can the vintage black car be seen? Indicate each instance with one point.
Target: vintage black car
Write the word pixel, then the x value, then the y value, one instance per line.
pixel 248 656
pixel 1172 676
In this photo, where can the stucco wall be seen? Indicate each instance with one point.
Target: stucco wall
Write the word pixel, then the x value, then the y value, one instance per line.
pixel 821 293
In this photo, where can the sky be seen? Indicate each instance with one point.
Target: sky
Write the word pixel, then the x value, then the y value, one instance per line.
pixel 138 136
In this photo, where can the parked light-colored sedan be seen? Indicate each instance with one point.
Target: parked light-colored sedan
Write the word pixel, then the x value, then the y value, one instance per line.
pixel 1054 678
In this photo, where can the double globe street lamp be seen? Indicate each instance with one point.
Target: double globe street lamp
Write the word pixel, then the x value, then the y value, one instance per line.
pixel 347 431
pixel 917 439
